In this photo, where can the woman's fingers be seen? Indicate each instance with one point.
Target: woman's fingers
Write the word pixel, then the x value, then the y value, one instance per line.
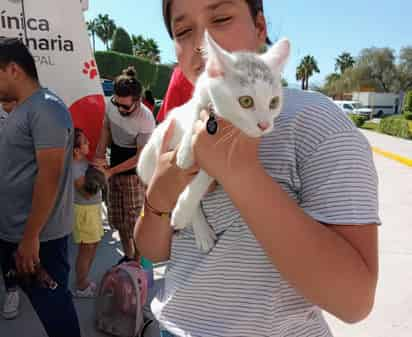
pixel 199 126
pixel 204 115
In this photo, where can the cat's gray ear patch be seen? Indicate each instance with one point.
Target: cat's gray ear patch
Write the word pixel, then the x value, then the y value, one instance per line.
pixel 278 55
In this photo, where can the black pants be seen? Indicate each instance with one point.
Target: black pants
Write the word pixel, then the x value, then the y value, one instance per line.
pixel 55 308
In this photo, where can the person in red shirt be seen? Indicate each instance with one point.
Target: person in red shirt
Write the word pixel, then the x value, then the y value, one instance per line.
pixel 148 100
pixel 178 93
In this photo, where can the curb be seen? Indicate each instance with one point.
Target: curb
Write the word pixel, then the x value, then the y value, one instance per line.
pixel 393 156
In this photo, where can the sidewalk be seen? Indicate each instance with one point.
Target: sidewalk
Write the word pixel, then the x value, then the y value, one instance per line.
pixel 28 325
pixel 391 316
pixel 399 146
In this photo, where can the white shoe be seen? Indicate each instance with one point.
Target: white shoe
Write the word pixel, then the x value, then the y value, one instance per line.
pixel 89 292
pixel 11 304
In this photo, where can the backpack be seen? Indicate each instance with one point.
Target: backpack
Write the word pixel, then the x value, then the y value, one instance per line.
pixel 120 300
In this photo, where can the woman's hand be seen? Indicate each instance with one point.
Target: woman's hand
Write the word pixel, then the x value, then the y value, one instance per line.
pixel 106 171
pixel 226 152
pixel 100 163
pixel 168 180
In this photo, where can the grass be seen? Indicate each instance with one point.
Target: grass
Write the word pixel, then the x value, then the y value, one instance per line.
pixel 371 126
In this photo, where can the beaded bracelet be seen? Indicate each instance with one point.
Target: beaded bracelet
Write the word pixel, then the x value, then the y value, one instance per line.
pixel 164 215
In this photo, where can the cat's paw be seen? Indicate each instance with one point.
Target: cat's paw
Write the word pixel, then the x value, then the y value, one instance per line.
pixel 205 237
pixel 184 158
pixel 180 218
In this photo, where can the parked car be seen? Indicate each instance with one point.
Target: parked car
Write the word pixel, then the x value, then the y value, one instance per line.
pixel 108 87
pixel 354 107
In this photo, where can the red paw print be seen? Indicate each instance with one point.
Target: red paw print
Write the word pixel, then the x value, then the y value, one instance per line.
pixel 90 69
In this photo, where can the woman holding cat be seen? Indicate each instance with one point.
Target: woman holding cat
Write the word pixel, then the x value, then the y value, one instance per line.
pixel 296 213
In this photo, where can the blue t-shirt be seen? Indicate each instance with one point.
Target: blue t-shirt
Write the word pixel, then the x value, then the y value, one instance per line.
pixel 41 122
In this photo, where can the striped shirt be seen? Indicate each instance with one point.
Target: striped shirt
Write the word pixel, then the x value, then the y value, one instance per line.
pixel 325 164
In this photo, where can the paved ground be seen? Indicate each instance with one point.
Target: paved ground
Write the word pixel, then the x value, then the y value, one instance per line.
pixel 399 146
pixel 392 316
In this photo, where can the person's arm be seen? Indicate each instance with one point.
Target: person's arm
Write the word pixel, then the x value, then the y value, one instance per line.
pixel 127 165
pixel 333 266
pixel 50 168
pixel 51 131
pixel 131 163
pixel 104 142
pixel 153 233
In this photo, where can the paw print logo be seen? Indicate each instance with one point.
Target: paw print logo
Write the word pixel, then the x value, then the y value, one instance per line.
pixel 90 69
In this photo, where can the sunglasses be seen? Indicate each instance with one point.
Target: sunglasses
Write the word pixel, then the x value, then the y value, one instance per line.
pixel 123 106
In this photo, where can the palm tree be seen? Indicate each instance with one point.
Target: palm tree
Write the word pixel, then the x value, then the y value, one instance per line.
pixel 306 69
pixel 343 62
pixel 301 75
pixel 92 28
pixel 153 51
pixel 105 29
pixel 146 48
pixel 138 42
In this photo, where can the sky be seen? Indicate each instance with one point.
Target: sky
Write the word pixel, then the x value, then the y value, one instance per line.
pixel 323 29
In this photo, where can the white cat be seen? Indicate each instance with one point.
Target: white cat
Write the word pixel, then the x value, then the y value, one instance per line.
pixel 245 89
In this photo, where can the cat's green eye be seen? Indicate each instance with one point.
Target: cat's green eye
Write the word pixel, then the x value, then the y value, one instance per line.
pixel 246 102
pixel 274 103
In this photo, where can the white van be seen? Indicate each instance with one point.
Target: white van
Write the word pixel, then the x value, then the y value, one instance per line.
pixel 381 103
pixel 353 107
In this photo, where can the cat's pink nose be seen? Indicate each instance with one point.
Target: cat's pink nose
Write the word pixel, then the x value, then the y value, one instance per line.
pixel 263 126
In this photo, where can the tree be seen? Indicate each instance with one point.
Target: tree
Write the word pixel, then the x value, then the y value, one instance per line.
pixel 284 82
pixel 122 42
pixel 301 76
pixel 146 48
pixel 343 62
pixel 377 67
pixel 153 51
pixel 306 69
pixel 105 29
pixel 333 85
pixel 405 69
pixel 92 28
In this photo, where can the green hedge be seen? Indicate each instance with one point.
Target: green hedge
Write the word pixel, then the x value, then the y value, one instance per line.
pixel 407 101
pixel 370 126
pixel 153 76
pixel 395 126
pixel 358 120
pixel 408 115
pixel 122 42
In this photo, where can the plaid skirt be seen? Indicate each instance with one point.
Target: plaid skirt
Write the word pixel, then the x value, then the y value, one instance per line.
pixel 125 200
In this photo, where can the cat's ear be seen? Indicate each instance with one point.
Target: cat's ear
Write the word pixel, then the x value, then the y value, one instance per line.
pixel 277 55
pixel 218 60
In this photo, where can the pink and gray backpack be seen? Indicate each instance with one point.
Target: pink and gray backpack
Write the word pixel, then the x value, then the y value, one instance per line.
pixel 121 297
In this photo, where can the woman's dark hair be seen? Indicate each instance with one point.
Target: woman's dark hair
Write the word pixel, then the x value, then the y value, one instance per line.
pixel 77 138
pixel 127 84
pixel 255 6
pixel 12 50
pixel 148 95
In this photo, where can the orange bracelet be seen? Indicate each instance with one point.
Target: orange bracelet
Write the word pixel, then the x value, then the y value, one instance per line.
pixel 164 215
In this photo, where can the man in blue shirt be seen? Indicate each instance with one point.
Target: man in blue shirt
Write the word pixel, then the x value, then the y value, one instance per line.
pixel 36 190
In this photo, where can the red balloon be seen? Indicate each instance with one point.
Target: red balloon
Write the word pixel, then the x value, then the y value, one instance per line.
pixel 88 115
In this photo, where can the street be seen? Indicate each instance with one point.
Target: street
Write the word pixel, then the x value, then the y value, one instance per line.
pixel 392 315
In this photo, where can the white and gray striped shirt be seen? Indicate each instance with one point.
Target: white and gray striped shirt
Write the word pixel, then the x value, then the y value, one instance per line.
pixel 324 163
